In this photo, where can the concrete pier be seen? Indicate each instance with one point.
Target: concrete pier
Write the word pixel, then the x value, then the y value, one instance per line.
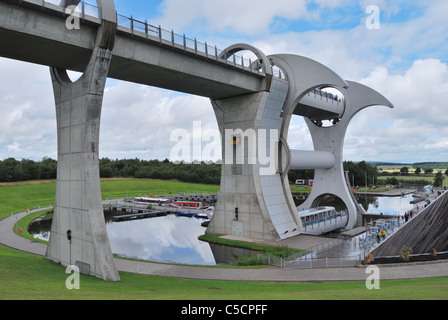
pixel 78 234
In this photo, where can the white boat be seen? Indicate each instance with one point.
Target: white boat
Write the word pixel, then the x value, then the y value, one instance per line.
pixel 150 200
pixel 321 220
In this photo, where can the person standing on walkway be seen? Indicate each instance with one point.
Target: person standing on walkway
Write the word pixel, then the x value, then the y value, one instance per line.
pixel 383 234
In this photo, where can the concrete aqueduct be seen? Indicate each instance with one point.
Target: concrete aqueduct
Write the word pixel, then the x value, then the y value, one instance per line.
pixel 258 96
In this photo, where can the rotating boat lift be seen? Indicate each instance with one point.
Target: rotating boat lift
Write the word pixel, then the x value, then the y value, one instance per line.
pixel 255 199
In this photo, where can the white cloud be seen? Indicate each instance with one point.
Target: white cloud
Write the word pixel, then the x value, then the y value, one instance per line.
pixel 28 124
pixel 241 17
pixel 415 130
pixel 137 121
pixel 404 60
pixel 416 127
pixel 146 117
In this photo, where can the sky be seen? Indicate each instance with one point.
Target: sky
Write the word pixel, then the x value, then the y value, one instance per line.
pixel 403 55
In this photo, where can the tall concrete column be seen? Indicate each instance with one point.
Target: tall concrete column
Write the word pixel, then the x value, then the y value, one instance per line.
pixel 78 233
pixel 251 201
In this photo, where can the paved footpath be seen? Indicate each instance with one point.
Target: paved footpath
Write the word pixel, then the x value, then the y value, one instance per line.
pixel 275 274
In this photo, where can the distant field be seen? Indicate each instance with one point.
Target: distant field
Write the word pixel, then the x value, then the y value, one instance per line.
pixel 428 178
pixel 393 169
pixel 397 168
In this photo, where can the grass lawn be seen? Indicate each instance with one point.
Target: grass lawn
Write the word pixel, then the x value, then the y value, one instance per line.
pixel 17 197
pixel 423 177
pixel 25 276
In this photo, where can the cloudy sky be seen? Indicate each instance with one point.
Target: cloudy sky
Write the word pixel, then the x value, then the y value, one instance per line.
pixel 405 59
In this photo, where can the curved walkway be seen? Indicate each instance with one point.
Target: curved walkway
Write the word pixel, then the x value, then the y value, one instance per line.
pixel 408 271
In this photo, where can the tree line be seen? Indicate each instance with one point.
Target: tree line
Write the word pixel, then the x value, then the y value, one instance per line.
pixel 12 170
pixel 163 170
pixel 431 165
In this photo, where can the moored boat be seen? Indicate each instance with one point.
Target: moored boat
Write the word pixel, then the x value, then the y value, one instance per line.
pixel 319 220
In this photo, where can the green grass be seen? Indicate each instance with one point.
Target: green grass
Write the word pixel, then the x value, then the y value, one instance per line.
pixel 278 251
pixel 423 177
pixel 25 276
pixel 121 188
pixel 16 198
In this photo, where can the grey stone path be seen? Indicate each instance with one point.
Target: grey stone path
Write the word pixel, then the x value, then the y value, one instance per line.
pixel 275 274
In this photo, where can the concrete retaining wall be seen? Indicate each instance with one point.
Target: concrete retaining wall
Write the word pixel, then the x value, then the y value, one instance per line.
pixel 427 230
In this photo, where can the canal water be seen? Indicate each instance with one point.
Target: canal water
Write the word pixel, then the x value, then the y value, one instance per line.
pixel 175 239
pixel 374 204
pixel 170 239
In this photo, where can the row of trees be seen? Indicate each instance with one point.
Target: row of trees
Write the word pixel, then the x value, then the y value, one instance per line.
pixel 430 165
pixel 163 170
pixel 361 174
pixel 12 170
pixel 405 171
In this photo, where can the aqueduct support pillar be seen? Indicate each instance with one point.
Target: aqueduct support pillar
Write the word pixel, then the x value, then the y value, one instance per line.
pixel 251 201
pixel 78 233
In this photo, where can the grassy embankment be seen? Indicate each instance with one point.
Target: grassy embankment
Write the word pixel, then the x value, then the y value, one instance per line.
pixel 25 276
pixel 17 197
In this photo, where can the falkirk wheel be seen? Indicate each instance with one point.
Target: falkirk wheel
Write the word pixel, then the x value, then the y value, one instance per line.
pixel 254 199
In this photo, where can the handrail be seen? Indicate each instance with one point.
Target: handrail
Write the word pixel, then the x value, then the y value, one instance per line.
pixel 327 95
pixel 156 33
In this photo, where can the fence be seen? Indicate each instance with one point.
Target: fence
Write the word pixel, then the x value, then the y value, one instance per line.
pixel 323 263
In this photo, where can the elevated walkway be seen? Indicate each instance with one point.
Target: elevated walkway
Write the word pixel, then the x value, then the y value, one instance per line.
pixel 35 31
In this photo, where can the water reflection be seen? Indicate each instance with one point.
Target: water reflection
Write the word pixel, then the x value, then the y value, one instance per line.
pixel 398 204
pixel 163 239
pixel 370 203
pixel 175 239
pixel 40 228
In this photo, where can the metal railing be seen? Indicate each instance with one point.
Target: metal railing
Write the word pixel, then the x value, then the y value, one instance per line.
pixel 327 95
pixel 157 33
pixel 341 262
